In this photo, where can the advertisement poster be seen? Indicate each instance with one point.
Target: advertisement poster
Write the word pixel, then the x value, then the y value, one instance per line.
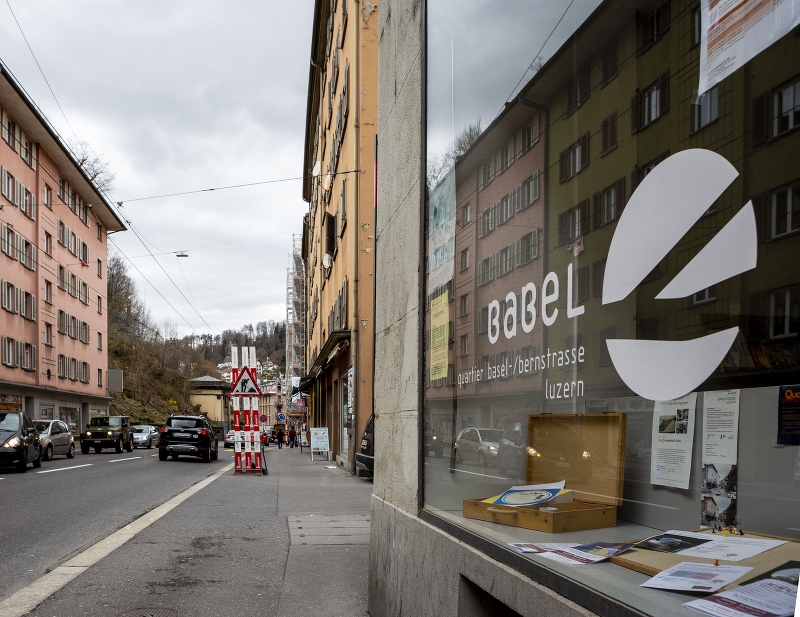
pixel 440 324
pixel 789 416
pixel 673 435
pixel 319 439
pixel 734 31
pixel 720 426
pixel 441 232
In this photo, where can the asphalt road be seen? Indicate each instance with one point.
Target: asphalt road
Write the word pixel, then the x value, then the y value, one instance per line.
pixel 50 514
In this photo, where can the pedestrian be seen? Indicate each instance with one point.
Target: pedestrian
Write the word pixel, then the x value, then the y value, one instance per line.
pixel 280 438
pixel 292 436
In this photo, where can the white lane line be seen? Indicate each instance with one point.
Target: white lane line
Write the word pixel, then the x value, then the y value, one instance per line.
pixel 119 460
pixel 28 598
pixel 65 468
pixel 153 455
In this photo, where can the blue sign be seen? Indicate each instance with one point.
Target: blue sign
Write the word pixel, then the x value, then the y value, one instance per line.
pixel 281 418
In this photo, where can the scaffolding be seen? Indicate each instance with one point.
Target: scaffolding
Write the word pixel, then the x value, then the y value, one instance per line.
pixel 295 313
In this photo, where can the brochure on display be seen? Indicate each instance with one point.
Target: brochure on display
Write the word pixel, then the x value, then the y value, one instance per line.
pixel 692 576
pixel 583 554
pixel 690 544
pixel 529 495
pixel 764 598
pixel 538 547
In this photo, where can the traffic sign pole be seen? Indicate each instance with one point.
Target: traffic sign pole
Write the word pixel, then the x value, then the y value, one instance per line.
pixel 237 443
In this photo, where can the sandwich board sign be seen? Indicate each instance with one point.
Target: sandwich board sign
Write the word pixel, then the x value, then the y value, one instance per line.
pixel 245 385
pixel 319 441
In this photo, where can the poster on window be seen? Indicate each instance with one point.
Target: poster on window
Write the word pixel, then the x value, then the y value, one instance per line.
pixel 441 232
pixel 734 31
pixel 440 325
pixel 789 416
pixel 720 427
pixel 673 436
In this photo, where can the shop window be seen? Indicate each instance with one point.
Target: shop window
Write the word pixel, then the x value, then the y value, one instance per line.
pixel 608 129
pixel 784 313
pixel 705 108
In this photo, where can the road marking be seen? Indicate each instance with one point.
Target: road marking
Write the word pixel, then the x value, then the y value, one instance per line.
pixel 119 460
pixel 152 455
pixel 65 468
pixel 28 598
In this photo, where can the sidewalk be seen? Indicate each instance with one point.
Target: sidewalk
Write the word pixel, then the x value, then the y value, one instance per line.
pixel 295 542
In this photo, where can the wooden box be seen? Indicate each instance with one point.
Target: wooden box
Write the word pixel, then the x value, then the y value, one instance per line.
pixel 587 452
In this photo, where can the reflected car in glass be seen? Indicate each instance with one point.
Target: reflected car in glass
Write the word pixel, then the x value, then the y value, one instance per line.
pixel 56 438
pixel 433 442
pixel 478 445
pixel 145 435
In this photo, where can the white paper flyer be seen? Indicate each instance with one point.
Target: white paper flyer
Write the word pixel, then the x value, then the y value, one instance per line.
pixel 734 31
pixel 720 426
pixel 765 598
pixel 734 548
pixel 691 576
pixel 673 434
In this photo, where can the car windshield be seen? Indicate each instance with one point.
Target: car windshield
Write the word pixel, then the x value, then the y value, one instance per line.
pixel 9 421
pixel 185 422
pixel 42 426
pixel 141 429
pixel 106 422
pixel 490 434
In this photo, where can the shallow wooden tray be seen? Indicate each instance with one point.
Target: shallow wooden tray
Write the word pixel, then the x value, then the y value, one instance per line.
pixel 573 516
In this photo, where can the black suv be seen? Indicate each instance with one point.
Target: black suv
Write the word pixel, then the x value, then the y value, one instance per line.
pixel 192 435
pixel 19 441
pixel 107 432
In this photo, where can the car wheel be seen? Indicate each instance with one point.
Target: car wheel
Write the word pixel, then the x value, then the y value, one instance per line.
pixel 206 456
pixel 84 448
pixel 22 466
pixel 215 453
pixel 71 451
pixel 98 449
pixel 458 456
pixel 48 453
pixel 118 446
pixel 481 459
pixel 149 444
pixel 37 462
pixel 162 455
pixel 129 445
pixel 174 456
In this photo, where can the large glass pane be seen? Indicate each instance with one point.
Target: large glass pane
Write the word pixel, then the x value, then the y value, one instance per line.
pixel 584 338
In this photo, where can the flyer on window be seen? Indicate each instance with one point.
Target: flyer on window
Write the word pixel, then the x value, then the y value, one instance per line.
pixel 673 435
pixel 789 415
pixel 734 31
pixel 720 426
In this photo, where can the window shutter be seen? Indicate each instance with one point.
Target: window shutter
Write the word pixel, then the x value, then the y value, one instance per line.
pixel 17 193
pixel 585 150
pixel 330 234
pixel 612 131
pixel 32 212
pixel 762 212
pixel 584 206
pixel 634 178
pixel 596 291
pixel 33 357
pixel 620 205
pixel 562 228
pixel 635 112
pixel 604 133
pixel 596 209
pixel 17 300
pixel 3 181
pixel 33 308
pixel 663 90
pixel 16 353
pixel 760 119
pixel 663 18
pixel 562 167
pixel 518 251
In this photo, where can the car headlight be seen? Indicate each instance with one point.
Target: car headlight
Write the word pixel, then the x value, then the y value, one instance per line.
pixel 532 452
pixel 110 434
pixel 586 454
pixel 434 437
pixel 492 448
pixel 14 442
pixel 88 433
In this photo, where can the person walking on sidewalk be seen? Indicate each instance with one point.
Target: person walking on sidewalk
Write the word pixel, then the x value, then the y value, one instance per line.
pixel 280 438
pixel 292 437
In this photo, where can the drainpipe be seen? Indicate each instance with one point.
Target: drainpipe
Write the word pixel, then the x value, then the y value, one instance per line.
pixel 356 193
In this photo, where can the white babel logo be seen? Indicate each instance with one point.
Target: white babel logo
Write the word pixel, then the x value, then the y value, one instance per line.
pixel 659 213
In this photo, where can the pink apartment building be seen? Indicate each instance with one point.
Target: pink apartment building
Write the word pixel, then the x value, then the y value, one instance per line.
pixel 53 229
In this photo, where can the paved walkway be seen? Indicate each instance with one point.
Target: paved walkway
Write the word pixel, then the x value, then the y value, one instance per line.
pixel 288 544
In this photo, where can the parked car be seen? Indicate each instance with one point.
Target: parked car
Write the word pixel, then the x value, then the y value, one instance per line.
pixel 512 451
pixel 20 441
pixel 56 438
pixel 107 432
pixel 558 452
pixel 189 435
pixel 479 445
pixel 230 439
pixel 433 441
pixel 365 457
pixel 145 435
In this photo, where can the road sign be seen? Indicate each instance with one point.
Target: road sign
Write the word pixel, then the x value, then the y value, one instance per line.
pixel 263 419
pixel 281 418
pixel 245 385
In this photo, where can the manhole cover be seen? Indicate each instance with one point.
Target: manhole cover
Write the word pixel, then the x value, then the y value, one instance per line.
pixel 150 612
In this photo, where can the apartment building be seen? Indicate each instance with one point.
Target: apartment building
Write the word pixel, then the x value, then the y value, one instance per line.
pixel 53 234
pixel 339 228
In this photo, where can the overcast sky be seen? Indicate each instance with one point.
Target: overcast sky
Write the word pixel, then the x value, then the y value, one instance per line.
pixel 178 96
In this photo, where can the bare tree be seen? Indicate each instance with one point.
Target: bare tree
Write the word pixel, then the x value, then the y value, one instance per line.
pixel 439 165
pixel 93 164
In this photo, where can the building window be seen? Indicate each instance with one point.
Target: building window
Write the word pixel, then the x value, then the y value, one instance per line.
pixel 650 104
pixel 527 248
pixel 704 296
pixel 578 90
pixel 99 232
pixel 10 297
pixel 610 65
pixel 580 286
pixel 100 377
pixel 48 196
pixel 784 313
pixel 706 108
pixel 608 129
pixel 648 329
pixel 574 159
pixel 99 340
pixel 787 108
pixel 653 26
pixel 99 268
pixel 598 274
pixel 48 334
pixel 527 192
pixel 466 214
pixel 99 303
pixel 697 25
pixel 785 211
pixel 463 345
pixel 605 334
pixel 48 244
pixel 10 352
pixel 463 305
pixel 608 203
pixel 573 223
pixel 465 259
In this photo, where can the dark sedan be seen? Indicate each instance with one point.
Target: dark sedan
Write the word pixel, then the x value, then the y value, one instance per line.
pixel 20 441
pixel 188 435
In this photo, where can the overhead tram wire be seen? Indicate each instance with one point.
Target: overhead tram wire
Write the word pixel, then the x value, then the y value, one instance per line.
pixel 208 246
pixel 186 281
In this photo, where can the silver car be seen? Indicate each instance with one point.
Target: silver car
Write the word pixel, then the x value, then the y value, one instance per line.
pixel 479 445
pixel 145 435
pixel 56 439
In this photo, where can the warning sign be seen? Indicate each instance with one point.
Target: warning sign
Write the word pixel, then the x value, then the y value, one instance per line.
pixel 245 385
